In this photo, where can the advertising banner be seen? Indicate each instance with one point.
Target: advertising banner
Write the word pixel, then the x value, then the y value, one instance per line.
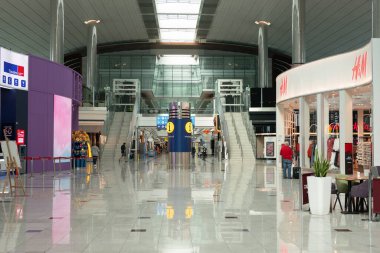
pixel 14 70
pixel 20 140
pixel 337 72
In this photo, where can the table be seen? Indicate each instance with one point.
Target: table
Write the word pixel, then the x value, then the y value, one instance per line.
pixel 350 179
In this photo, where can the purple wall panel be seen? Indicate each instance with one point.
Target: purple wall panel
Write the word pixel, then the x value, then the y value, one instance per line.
pixel 46 79
pixel 38 141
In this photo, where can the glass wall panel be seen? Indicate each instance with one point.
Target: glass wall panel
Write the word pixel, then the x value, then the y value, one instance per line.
pixel 168 81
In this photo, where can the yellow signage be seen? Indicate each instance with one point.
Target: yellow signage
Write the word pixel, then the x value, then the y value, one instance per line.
pixel 169 212
pixel 170 127
pixel 189 127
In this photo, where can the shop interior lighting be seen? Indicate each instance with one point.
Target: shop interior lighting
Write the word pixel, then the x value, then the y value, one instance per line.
pixel 177 19
pixel 92 21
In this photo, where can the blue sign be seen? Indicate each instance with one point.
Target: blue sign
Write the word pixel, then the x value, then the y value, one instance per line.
pixel 162 120
pixel 14 70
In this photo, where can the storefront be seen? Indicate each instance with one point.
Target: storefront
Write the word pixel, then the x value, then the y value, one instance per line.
pixel 329 106
pixel 39 102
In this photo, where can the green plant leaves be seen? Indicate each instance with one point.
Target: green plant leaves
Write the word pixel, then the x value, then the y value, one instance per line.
pixel 321 165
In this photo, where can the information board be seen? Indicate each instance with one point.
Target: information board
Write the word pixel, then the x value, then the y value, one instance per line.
pixel 14 70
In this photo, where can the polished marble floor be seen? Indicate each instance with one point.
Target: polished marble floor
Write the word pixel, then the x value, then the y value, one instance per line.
pixel 145 206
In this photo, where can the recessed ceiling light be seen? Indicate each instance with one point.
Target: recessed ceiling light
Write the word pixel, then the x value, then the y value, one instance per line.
pixel 262 22
pixel 92 21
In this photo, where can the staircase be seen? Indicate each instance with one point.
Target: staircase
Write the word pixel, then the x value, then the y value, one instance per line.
pixel 235 152
pixel 117 135
pixel 240 146
pixel 124 130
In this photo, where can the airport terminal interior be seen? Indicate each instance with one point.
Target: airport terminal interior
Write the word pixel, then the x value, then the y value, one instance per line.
pixel 189 126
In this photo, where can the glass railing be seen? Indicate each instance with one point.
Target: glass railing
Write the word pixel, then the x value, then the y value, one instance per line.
pixel 220 110
pixel 132 133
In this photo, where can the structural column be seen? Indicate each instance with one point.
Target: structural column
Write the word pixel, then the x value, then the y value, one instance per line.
pixel 92 43
pixel 322 124
pixel 375 18
pixel 298 31
pixel 263 53
pixel 345 126
pixel 280 132
pixel 376 81
pixel 298 57
pixel 360 123
pixel 56 31
pixel 304 125
pixel 376 101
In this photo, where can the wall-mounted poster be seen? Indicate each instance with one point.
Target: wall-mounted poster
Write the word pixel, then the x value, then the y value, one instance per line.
pixel 269 147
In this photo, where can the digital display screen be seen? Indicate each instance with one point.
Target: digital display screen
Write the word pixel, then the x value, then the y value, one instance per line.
pixel 62 127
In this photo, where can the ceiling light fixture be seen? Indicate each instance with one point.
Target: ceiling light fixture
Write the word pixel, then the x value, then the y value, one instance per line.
pixel 92 21
pixel 262 22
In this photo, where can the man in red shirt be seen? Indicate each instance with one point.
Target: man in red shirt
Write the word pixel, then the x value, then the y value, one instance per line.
pixel 287 155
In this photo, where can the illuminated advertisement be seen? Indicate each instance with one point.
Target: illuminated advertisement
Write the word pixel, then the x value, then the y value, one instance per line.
pixel 14 70
pixel 62 127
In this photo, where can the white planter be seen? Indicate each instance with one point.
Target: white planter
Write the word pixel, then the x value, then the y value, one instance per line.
pixel 319 190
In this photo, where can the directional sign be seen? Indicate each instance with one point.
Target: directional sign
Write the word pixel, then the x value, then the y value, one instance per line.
pixel 170 127
pixel 189 127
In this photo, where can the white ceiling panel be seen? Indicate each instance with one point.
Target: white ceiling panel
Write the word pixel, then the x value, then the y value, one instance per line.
pixel 332 26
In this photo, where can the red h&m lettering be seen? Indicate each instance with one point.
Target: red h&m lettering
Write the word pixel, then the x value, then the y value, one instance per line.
pixel 284 86
pixel 360 67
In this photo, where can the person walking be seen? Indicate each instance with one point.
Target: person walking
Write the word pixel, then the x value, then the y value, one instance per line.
pixel 95 154
pixel 123 153
pixel 286 154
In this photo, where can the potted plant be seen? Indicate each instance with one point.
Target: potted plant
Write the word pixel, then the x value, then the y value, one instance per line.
pixel 319 187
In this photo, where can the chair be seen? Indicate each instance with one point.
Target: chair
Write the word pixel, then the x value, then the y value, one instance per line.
pixel 340 186
pixel 360 191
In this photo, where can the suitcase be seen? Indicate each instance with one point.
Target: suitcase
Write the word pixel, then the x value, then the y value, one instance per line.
pixel 296 172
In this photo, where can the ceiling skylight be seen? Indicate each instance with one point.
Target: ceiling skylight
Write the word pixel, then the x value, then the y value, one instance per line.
pixel 178 6
pixel 177 19
pixel 176 59
pixel 177 35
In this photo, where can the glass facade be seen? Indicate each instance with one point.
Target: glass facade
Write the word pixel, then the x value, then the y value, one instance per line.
pixel 173 82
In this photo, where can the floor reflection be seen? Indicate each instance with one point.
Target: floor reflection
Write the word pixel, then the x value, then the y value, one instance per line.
pixel 144 206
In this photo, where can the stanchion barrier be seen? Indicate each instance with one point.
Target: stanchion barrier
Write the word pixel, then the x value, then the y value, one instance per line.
pixel 54 158
pixel 38 158
pixel 29 158
pixel 43 159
